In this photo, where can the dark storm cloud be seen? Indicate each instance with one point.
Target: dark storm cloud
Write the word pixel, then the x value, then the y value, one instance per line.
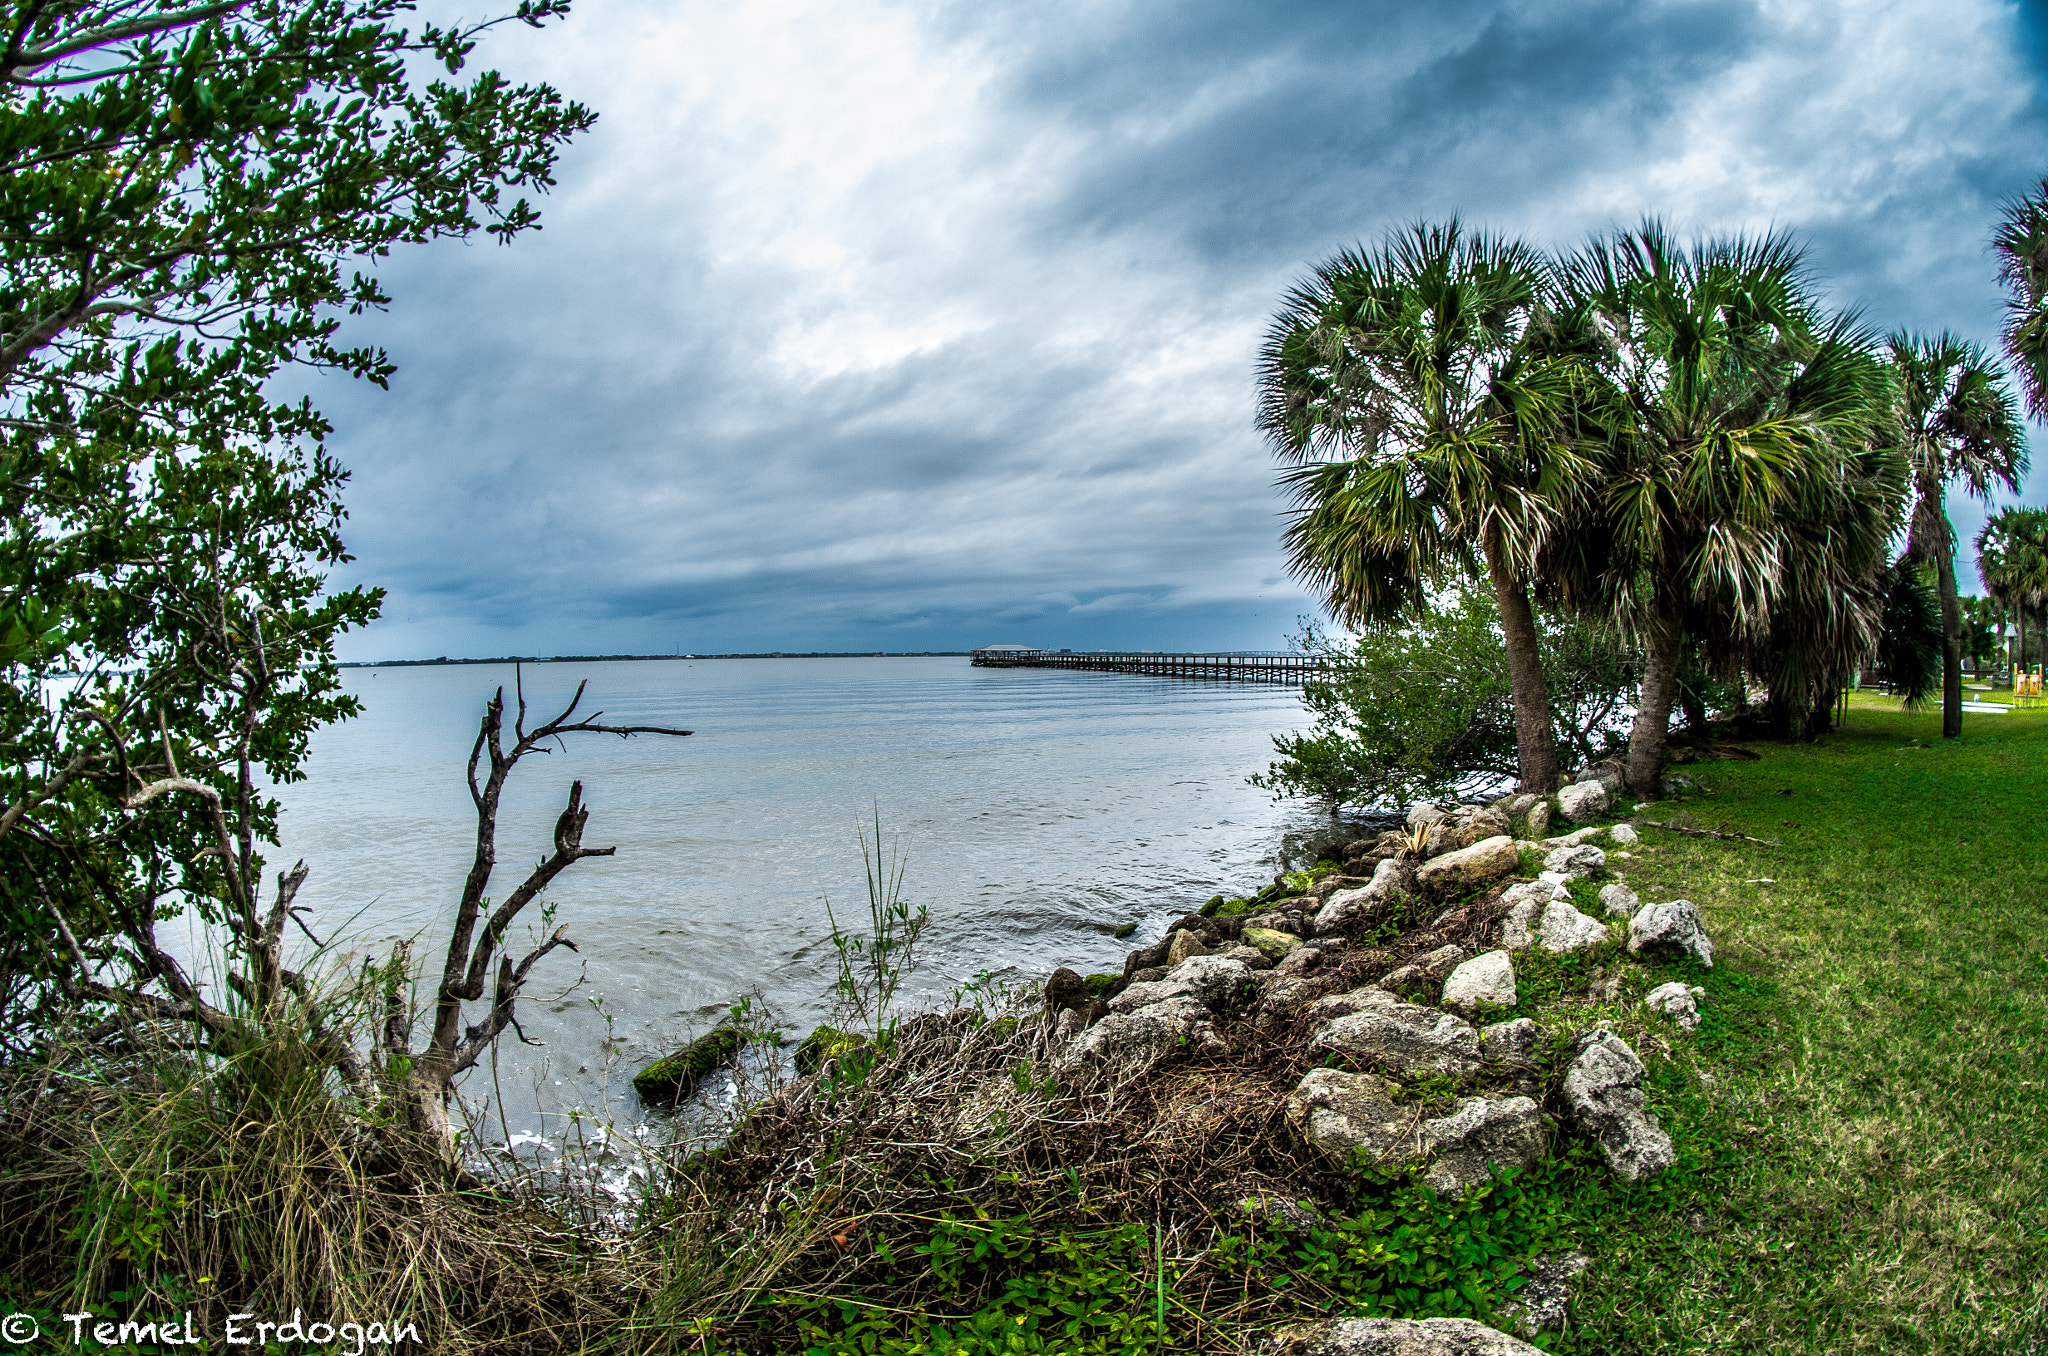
pixel 857 325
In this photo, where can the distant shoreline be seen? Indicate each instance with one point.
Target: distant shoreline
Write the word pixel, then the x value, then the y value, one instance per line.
pixel 612 658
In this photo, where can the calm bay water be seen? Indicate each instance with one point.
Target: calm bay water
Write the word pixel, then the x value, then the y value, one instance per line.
pixel 1038 812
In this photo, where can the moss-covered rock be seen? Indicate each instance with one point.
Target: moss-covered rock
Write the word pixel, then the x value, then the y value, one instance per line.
pixel 827 1042
pixel 1098 986
pixel 675 1076
pixel 1209 909
pixel 1231 908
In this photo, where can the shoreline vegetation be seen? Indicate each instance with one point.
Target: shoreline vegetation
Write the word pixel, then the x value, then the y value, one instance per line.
pixel 1851 1162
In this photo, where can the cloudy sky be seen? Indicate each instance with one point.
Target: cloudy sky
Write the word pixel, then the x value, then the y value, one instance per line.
pixel 928 325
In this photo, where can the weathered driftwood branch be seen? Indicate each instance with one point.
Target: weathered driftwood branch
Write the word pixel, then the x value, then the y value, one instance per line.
pixel 453 1044
pixel 1701 833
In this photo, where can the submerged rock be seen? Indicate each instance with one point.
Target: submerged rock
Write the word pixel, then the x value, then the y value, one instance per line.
pixel 676 1076
pixel 826 1042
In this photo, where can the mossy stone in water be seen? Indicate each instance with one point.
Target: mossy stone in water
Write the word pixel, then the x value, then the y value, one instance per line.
pixel 1209 909
pixel 675 1076
pixel 827 1042
pixel 1098 986
pixel 1231 908
pixel 1124 931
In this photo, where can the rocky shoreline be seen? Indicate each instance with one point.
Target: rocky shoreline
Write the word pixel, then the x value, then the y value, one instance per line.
pixel 1367 1014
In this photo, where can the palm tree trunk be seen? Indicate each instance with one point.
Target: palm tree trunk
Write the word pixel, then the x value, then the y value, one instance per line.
pixel 1663 641
pixel 1951 624
pixel 1535 744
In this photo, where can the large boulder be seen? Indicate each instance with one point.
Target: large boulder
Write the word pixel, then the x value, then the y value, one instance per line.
pixel 1354 1119
pixel 1582 801
pixel 1672 930
pixel 1124 1045
pixel 1604 1090
pixel 1416 1041
pixel 1455 872
pixel 1564 928
pixel 1215 982
pixel 1388 1337
pixel 1574 861
pixel 1480 1134
pixel 1483 979
pixel 1345 910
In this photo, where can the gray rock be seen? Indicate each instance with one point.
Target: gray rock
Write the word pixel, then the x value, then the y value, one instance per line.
pixel 1070 1023
pixel 1677 785
pixel 1539 819
pixel 1609 772
pixel 1354 1119
pixel 1679 1002
pixel 1371 998
pixel 1582 859
pixel 1422 812
pixel 1352 1116
pixel 1518 927
pixel 1271 943
pixel 1521 805
pixel 1412 1040
pixel 1624 834
pixel 1125 1045
pixel 1215 982
pixel 1287 992
pixel 1575 837
pixel 1582 801
pixel 1346 909
pixel 1618 900
pixel 1480 1134
pixel 1509 1040
pixel 1488 859
pixel 1388 1337
pixel 1300 961
pixel 1604 1090
pixel 1673 929
pixel 1483 979
pixel 1544 1301
pixel 1182 945
pixel 1537 892
pixel 1564 928
pixel 1249 956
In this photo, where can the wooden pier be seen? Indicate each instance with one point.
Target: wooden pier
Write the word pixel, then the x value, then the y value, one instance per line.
pixel 1234 667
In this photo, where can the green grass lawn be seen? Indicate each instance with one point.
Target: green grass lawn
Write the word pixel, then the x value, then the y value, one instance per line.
pixel 1871 1160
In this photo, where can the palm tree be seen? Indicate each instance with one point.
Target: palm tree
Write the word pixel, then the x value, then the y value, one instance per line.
pixel 1954 420
pixel 1729 398
pixel 2021 244
pixel 2012 560
pixel 1403 387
